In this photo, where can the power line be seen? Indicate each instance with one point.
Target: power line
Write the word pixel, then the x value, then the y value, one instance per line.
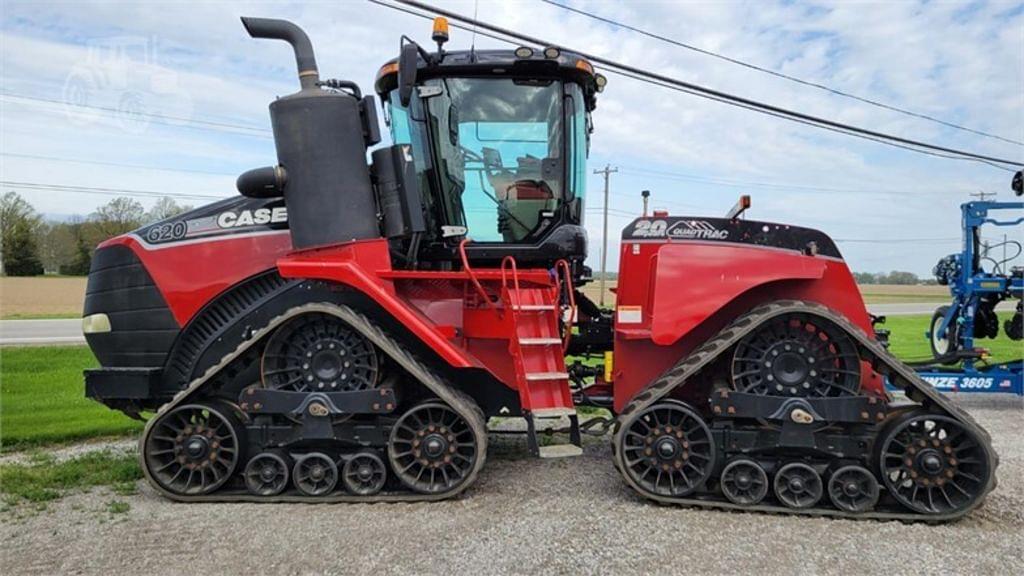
pixel 162 119
pixel 893 240
pixel 727 98
pixel 778 74
pixel 105 191
pixel 115 164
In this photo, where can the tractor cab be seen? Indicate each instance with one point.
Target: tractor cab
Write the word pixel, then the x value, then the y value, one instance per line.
pixel 499 140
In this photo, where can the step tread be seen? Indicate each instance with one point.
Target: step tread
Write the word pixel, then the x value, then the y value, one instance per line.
pixel 539 341
pixel 560 451
pixel 534 307
pixel 540 376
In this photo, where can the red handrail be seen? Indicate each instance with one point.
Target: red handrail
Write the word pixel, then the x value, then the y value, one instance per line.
pixel 515 276
pixel 563 266
pixel 472 277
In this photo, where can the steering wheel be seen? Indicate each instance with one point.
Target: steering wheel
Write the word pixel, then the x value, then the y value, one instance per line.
pixel 470 155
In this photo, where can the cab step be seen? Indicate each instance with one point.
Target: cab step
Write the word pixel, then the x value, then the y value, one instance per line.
pixel 539 341
pixel 539 376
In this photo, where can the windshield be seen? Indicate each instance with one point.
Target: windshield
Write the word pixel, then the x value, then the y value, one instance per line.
pixel 499 150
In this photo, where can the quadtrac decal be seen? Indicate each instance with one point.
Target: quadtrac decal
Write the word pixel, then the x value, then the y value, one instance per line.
pixel 235 216
pixel 681 229
pixel 709 229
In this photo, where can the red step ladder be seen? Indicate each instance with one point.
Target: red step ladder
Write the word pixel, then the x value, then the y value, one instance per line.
pixel 538 353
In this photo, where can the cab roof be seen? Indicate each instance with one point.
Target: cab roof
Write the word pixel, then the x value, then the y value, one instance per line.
pixel 500 63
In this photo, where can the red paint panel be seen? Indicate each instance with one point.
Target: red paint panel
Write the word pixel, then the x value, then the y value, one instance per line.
pixel 693 280
pixel 190 274
pixel 691 290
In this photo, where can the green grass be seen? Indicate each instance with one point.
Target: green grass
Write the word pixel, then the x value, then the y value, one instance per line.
pixel 908 342
pixel 43 479
pixel 42 398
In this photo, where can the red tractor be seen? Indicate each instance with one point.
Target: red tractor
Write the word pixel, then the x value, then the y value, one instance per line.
pixel 333 335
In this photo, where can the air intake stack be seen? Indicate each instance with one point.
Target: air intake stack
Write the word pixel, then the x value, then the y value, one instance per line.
pixel 321 135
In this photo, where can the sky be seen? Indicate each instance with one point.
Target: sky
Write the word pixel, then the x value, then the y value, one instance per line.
pixel 206 86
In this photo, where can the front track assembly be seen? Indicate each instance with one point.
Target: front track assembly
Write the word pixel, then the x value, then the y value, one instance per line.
pixel 793 434
pixel 318 368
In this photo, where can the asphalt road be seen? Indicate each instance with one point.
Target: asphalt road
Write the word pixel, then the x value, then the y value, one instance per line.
pixel 523 516
pixel 69 331
pixel 29 332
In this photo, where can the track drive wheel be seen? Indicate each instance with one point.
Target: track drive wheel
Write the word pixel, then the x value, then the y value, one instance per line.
pixel 797 355
pixel 318 352
pixel 432 448
pixel 932 464
pixel 668 450
pixel 797 485
pixel 194 448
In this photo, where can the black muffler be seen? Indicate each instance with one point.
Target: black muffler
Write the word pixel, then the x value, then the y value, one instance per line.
pixel 321 135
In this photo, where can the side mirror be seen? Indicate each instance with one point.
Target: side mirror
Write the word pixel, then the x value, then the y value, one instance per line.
pixel 407 63
pixel 1018 183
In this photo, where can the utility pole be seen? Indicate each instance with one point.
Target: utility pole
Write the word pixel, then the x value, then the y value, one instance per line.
pixel 608 171
pixel 982 195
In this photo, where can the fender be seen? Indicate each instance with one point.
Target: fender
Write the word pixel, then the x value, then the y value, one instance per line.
pixel 358 265
pixel 698 266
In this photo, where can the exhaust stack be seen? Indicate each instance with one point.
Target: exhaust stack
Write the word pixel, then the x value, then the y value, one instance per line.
pixel 275 29
pixel 321 134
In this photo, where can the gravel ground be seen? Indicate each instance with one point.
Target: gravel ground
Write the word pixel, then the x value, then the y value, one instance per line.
pixel 522 516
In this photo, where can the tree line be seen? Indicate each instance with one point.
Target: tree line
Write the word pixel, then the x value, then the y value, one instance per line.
pixel 894 277
pixel 31 245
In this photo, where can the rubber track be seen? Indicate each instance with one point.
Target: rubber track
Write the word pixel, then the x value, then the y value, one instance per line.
pixel 900 375
pixel 457 400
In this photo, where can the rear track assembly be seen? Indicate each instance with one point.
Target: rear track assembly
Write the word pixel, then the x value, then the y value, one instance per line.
pixel 922 448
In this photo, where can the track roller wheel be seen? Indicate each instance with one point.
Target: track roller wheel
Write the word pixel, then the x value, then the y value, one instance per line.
pixel 364 474
pixel 193 449
pixel 932 464
pixel 315 474
pixel 797 485
pixel 668 450
pixel 267 474
pixel 853 489
pixel 744 482
pixel 432 449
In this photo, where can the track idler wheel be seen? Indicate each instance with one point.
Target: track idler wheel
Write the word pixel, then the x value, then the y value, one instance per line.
pixel 668 450
pixel 364 474
pixel 932 464
pixel 194 448
pixel 267 474
pixel 797 485
pixel 315 474
pixel 853 489
pixel 744 482
pixel 432 449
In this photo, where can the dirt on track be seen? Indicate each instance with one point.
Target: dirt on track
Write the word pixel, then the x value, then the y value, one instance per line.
pixel 523 516
pixel 41 296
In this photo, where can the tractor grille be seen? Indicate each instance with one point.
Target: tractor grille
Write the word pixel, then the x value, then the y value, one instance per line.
pixel 142 326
